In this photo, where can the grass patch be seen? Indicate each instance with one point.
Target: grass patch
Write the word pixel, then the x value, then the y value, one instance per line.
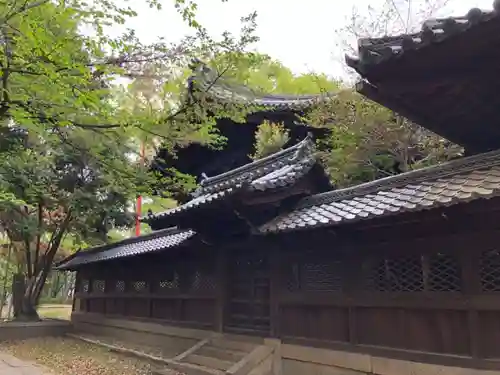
pixel 67 356
pixel 55 311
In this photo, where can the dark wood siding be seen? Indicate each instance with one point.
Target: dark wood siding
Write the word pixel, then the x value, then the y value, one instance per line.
pixel 421 284
pixel 173 288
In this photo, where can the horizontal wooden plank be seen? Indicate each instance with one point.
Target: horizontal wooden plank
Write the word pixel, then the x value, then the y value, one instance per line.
pixel 151 296
pixel 249 317
pixel 414 356
pixel 192 330
pixel 416 300
pixel 175 323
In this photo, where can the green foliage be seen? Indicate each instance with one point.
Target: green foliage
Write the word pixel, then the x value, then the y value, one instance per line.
pixel 68 158
pixel 269 139
pixel 263 74
pixel 369 141
pixel 67 189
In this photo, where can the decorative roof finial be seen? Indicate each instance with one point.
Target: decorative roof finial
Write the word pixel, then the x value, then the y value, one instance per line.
pixel 203 178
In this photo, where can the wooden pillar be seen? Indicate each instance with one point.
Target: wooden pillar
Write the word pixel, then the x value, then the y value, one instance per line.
pixel 221 297
pixel 275 271
pixel 471 285
pixel 352 276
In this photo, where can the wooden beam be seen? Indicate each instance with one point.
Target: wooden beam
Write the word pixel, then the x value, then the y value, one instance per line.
pixel 192 349
pixel 221 299
pixel 275 271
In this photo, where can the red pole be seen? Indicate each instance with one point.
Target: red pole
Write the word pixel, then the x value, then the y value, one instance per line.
pixel 139 200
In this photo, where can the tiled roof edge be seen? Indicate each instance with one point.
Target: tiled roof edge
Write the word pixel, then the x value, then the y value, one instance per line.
pixel 372 51
pixel 127 241
pixel 454 167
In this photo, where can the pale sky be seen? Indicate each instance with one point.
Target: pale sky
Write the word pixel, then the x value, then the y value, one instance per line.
pixel 299 33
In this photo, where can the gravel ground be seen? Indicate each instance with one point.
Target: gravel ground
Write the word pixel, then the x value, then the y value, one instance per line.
pixel 67 356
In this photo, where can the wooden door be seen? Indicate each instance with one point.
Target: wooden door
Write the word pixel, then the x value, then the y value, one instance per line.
pixel 248 309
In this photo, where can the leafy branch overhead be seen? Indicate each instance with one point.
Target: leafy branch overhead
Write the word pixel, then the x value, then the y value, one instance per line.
pixel 69 131
pixel 69 73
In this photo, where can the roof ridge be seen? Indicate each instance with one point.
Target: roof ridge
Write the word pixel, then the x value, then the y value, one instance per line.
pixel 292 152
pixel 209 79
pixel 449 168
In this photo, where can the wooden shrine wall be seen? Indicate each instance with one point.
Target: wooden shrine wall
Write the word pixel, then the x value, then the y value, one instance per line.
pixel 425 287
pixel 178 290
pixel 437 294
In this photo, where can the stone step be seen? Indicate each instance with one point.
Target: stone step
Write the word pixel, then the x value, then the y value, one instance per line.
pixel 209 362
pixel 221 353
pixel 187 369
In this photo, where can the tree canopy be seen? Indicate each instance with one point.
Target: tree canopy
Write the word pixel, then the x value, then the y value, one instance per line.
pixel 69 166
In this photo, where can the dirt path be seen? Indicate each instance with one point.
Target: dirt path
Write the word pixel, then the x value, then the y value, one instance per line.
pixel 10 365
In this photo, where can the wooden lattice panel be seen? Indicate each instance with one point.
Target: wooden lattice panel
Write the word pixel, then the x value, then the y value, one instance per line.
pixel 119 286
pixel 203 281
pixel 85 286
pixel 316 275
pixel 490 271
pixel 168 285
pixel 139 286
pixel 98 286
pixel 444 274
pixel 417 273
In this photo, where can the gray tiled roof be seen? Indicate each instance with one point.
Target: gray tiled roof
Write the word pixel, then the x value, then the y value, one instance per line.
pixel 281 169
pixel 443 185
pixel 208 81
pixel 372 51
pixel 156 241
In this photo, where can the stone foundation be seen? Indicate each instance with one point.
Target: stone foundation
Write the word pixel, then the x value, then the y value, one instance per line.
pixel 287 359
pixel 27 330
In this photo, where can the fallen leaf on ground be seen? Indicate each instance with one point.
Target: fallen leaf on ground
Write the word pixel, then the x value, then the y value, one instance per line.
pixel 67 356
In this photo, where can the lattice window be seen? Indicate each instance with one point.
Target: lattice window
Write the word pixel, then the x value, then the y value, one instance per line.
pixel 85 285
pixel 98 286
pixel 119 286
pixel 435 273
pixel 315 276
pixel 490 271
pixel 202 281
pixel 322 276
pixel 169 284
pixel 444 274
pixel 395 275
pixel 140 286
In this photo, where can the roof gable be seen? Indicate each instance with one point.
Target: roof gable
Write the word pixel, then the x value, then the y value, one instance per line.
pixel 279 170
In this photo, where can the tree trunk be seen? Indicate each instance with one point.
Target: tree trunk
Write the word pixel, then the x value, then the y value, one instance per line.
pixel 28 311
pixel 25 295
